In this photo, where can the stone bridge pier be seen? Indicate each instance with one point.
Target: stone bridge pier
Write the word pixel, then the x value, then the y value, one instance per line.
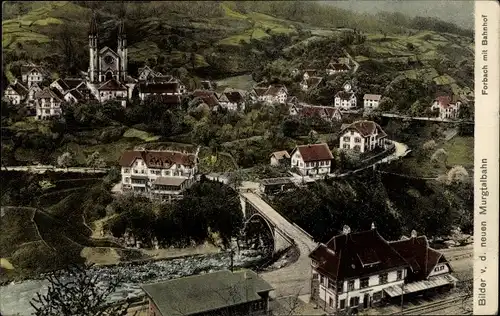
pixel 252 215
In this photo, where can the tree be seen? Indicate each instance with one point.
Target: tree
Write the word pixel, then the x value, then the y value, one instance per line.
pixel 457 174
pixel 75 291
pixel 65 160
pixel 429 145
pixel 95 160
pixel 440 156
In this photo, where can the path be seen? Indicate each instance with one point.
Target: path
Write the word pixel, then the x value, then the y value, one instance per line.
pixel 356 64
pixel 295 278
pixel 421 118
pixel 43 168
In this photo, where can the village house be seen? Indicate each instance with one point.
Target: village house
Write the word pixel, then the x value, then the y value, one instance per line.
pixel 211 294
pixel 312 159
pixel 308 73
pixel 147 89
pixel 158 174
pixel 74 96
pixel 327 113
pixel 113 90
pixel 31 73
pixel 232 101
pixel 30 100
pixel 73 90
pixel 276 93
pixel 310 83
pixel 358 270
pixel 205 97
pixel 362 136
pixel 146 73
pixel 207 85
pixel 280 158
pixel 371 101
pixel 15 93
pixel 48 104
pixel 448 107
pixel 338 65
pixel 346 99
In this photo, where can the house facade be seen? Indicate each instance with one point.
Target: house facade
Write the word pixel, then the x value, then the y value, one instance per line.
pixel 48 104
pixel 112 90
pixel 160 175
pixel 312 159
pixel 362 136
pixel 354 271
pixel 232 101
pixel 211 294
pixel 15 93
pixel 448 107
pixel 371 101
pixel 280 158
pixel 276 93
pixel 31 73
pixel 167 88
pixel 345 99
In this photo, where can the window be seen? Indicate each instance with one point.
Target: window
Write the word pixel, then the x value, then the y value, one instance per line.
pixel 315 276
pixel 363 283
pixel 331 284
pixel 377 296
pixel 346 146
pixel 127 180
pixel 321 280
pixel 382 279
pixel 342 304
pixel 126 170
pixel 322 163
pixel 350 285
pixel 330 302
pixel 357 140
pixel 135 171
pixel 354 301
pixel 340 287
pixel 399 275
pixel 346 139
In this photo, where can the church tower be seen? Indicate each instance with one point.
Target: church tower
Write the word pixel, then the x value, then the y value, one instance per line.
pixel 122 51
pixel 93 35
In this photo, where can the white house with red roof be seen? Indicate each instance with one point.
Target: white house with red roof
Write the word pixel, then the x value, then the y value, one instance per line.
pixel 357 270
pixel 158 174
pixel 448 107
pixel 362 136
pixel 312 159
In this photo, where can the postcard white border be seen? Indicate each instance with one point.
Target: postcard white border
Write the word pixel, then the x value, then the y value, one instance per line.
pixel 486 147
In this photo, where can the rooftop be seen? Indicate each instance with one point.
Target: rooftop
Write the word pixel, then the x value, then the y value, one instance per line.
pixel 157 159
pixel 207 292
pixel 314 152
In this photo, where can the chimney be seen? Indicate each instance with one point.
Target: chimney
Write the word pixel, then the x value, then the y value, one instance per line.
pixel 346 230
pixel 373 226
pixel 413 234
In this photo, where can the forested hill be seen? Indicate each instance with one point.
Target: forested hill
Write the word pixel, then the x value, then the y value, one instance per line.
pixel 200 38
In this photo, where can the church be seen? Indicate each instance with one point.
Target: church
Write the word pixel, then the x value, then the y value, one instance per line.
pixel 107 74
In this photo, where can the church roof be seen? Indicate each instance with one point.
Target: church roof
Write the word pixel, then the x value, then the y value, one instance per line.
pixel 112 84
pixel 93 25
pixel 105 48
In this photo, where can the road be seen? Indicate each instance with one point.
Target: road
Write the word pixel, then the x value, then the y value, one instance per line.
pixel 421 118
pixel 42 169
pixel 295 278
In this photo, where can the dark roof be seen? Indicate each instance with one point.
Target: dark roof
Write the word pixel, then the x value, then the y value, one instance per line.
pixel 157 159
pixel 76 94
pixel 275 89
pixel 93 25
pixel 418 254
pixel 62 83
pixel 207 292
pixel 311 111
pixel 112 84
pixel 161 78
pixel 338 66
pixel 314 152
pixel 47 93
pixel 208 97
pixel 166 87
pixel 344 95
pixel 206 84
pixel 234 97
pixel 312 82
pixel 354 255
pixel 173 181
pixel 57 92
pixel 366 128
pixel 19 88
pixel 73 82
pixel 260 90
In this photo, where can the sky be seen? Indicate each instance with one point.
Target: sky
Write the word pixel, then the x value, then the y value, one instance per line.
pixel 460 12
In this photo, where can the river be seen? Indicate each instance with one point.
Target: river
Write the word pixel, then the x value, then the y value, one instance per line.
pixel 15 298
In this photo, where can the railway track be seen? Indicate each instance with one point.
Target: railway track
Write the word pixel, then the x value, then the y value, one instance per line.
pixel 432 307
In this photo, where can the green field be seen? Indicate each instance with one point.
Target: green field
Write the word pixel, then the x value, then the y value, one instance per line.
pixel 460 151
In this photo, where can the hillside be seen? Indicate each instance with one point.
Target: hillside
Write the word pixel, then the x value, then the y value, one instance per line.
pixel 223 39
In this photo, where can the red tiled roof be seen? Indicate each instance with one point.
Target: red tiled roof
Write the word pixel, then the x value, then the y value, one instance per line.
pixel 112 84
pixel 366 128
pixel 356 254
pixel 418 254
pixel 374 97
pixel 314 152
pixel 157 159
pixel 446 101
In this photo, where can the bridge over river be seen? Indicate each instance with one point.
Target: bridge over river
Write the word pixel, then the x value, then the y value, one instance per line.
pixel 295 278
